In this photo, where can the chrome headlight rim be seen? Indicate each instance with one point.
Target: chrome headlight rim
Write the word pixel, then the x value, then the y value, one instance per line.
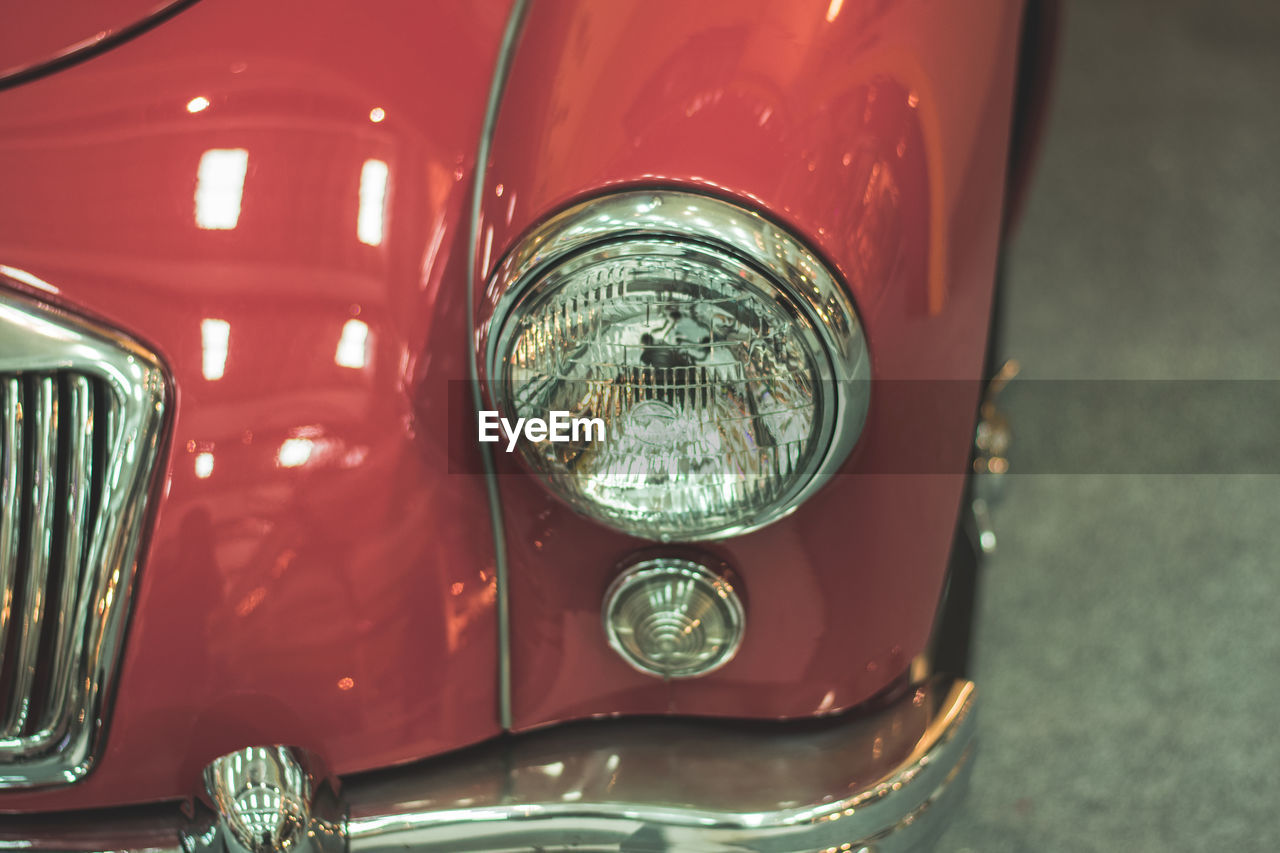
pixel 709 223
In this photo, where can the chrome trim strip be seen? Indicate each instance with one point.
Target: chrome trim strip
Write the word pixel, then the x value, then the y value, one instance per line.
pixel 505 51
pixel 79 482
pixel 43 411
pixel 10 507
pixel 884 779
pixel 38 346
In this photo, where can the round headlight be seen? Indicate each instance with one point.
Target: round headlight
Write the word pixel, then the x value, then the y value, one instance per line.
pixel 724 360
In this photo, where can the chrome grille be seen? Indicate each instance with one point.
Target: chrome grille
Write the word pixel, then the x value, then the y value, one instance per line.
pixel 81 410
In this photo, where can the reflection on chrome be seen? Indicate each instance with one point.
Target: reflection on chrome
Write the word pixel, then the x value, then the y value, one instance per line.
pixel 27 278
pixel 373 196
pixel 220 188
pixel 267 799
pixel 991 456
pixel 215 338
pixel 644 785
pixel 353 345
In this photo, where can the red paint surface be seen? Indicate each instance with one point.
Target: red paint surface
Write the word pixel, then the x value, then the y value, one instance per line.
pixel 880 136
pixel 37 33
pixel 345 604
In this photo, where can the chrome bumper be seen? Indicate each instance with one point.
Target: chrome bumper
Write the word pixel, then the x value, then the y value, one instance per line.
pixel 882 780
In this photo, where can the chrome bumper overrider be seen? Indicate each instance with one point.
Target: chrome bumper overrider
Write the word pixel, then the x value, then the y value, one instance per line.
pixel 876 781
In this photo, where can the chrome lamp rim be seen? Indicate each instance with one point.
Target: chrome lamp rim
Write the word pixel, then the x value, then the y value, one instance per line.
pixel 826 310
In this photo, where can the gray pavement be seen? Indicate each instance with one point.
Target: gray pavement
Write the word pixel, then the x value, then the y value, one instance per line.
pixel 1129 631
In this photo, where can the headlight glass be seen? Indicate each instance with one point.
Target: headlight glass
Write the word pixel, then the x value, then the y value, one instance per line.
pixel 717 382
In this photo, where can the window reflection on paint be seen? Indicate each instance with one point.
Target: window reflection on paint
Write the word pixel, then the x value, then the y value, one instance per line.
pixel 204 465
pixel 353 345
pixel 373 197
pixel 294 452
pixel 220 187
pixel 27 278
pixel 215 337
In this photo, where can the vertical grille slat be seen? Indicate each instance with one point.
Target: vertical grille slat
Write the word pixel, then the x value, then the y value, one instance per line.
pixel 81 413
pixel 48 456
pixel 10 505
pixel 76 428
pixel 42 414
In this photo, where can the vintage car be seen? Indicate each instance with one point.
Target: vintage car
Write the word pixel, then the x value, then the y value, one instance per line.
pixel 493 426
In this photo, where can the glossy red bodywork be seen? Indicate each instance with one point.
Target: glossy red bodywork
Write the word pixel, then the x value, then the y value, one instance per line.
pixel 877 131
pixel 38 35
pixel 345 604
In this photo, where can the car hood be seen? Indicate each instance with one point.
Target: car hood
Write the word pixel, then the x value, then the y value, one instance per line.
pixel 39 36
pixel 276 205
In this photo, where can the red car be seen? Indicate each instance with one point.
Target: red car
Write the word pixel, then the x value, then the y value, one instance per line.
pixel 496 425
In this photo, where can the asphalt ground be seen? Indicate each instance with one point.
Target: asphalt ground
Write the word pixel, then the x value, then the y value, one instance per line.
pixel 1128 645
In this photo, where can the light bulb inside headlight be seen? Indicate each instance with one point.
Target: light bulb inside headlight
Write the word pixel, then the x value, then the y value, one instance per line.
pixel 725 362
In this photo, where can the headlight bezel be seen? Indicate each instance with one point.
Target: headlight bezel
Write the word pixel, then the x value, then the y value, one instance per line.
pixel 704 223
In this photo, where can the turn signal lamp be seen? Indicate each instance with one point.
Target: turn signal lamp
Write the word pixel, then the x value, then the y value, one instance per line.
pixel 673 618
